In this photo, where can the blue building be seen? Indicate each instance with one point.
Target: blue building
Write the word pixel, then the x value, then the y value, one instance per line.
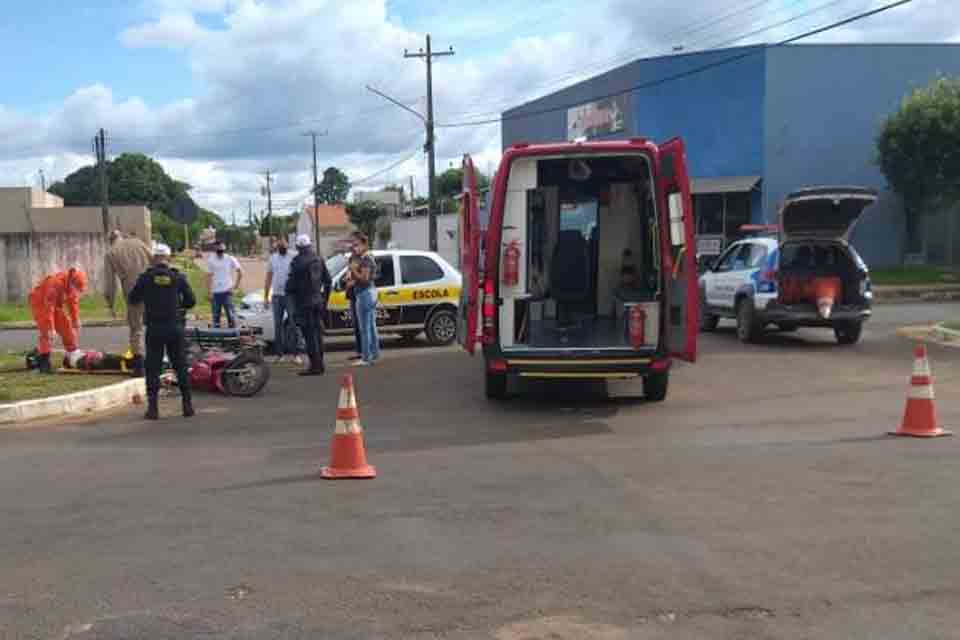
pixel 759 122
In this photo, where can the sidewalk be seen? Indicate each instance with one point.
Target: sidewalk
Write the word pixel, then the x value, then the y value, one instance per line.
pixel 888 294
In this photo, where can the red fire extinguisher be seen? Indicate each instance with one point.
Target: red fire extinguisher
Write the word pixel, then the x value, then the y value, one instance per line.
pixel 636 326
pixel 511 264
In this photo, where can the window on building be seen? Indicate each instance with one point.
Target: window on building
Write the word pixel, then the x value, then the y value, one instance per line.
pixel 738 211
pixel 708 209
pixel 417 269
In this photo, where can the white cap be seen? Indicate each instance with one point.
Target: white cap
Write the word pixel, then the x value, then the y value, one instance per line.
pixel 161 250
pixel 303 240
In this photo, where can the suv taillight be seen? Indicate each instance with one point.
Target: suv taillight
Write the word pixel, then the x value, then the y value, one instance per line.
pixel 489 309
pixel 767 282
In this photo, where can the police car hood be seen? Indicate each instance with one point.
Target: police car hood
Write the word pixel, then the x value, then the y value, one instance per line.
pixel 824 212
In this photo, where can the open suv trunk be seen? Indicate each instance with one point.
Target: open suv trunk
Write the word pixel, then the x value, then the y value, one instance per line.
pixel 821 280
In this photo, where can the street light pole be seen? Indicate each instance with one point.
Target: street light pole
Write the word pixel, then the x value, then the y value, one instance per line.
pixel 316 194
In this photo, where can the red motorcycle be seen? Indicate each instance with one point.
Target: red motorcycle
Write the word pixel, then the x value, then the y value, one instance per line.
pixel 228 361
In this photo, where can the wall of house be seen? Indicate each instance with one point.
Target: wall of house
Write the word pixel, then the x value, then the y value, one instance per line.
pixel 414 233
pixel 825 106
pixel 26 258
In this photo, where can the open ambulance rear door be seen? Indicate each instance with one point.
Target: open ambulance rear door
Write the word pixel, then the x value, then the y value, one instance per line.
pixel 468 322
pixel 679 260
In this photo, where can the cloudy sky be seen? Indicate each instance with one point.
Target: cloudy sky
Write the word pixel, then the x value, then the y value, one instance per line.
pixel 221 91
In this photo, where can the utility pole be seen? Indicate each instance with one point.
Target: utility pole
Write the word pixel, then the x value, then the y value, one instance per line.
pixel 413 197
pixel 429 55
pixel 267 192
pixel 316 195
pixel 249 211
pixel 100 144
pixel 43 181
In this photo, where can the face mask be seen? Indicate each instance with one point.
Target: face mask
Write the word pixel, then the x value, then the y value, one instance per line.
pixel 283 251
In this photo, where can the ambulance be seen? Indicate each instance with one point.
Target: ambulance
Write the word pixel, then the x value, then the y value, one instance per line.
pixel 586 269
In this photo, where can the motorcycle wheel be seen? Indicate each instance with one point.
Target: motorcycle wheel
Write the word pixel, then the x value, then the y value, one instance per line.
pixel 245 376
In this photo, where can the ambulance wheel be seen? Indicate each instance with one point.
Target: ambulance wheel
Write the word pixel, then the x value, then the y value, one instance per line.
pixel 495 385
pixel 655 386
pixel 441 328
pixel 848 332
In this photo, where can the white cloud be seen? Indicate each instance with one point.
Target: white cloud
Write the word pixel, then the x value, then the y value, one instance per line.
pixel 175 31
pixel 271 70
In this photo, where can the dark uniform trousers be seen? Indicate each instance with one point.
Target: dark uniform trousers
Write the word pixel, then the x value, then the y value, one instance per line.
pixel 310 320
pixel 169 339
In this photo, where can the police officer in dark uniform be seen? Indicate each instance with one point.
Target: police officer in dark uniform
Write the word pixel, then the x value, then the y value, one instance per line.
pixel 308 286
pixel 166 296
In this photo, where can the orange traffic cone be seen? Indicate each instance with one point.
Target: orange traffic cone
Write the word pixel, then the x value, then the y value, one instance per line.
pixel 920 416
pixel 347 456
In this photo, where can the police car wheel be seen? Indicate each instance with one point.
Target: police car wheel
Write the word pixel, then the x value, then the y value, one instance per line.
pixel 441 328
pixel 655 386
pixel 708 322
pixel 848 332
pixel 747 328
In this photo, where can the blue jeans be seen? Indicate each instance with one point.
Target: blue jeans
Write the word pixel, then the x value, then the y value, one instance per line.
pixel 224 301
pixel 367 317
pixel 284 327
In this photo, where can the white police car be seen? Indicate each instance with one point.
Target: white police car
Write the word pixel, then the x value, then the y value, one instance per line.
pixel 419 292
pixel 745 282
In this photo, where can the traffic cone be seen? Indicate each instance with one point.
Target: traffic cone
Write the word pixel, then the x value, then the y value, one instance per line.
pixel 920 416
pixel 347 456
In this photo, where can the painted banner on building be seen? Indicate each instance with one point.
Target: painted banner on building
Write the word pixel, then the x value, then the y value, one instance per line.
pixel 598 118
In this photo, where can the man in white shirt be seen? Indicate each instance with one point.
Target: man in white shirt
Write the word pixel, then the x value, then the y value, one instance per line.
pixel 274 292
pixel 224 274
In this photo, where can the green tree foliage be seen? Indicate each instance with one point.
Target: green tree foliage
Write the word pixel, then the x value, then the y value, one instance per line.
pixel 918 150
pixel 334 186
pixel 135 178
pixel 450 182
pixel 365 215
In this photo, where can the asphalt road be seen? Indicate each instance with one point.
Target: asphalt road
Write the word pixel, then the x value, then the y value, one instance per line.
pixel 760 501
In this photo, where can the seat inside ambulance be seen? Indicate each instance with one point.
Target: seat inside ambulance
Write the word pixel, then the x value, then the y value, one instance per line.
pixel 587 229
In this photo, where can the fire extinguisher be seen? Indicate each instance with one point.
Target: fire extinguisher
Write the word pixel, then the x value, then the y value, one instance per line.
pixel 511 264
pixel 636 326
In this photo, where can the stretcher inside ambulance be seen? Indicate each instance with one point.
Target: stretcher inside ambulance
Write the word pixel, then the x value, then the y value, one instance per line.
pixel 588 268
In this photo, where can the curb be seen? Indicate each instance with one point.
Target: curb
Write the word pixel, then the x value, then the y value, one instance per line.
pixel 74 404
pixel 29 326
pixel 915 294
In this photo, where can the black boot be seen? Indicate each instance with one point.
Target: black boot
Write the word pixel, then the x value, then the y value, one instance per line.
pixel 316 368
pixel 188 411
pixel 43 363
pixel 153 411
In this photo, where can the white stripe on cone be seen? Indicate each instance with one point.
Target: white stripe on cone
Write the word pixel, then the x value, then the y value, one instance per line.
pixel 921 367
pixel 347 427
pixel 921 393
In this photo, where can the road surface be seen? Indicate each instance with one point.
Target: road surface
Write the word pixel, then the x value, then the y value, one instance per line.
pixel 760 501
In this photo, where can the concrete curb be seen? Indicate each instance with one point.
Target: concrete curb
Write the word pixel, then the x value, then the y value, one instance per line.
pixel 74 404
pixel 29 326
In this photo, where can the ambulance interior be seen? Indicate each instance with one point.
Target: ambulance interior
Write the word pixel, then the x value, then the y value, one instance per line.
pixel 585 229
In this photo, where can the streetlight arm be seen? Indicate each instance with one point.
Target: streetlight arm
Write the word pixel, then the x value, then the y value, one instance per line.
pixel 397 102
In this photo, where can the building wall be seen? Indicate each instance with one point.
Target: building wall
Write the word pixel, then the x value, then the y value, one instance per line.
pixel 825 105
pixel 414 233
pixel 26 258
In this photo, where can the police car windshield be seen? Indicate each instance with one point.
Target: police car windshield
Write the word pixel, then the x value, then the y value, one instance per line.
pixel 335 264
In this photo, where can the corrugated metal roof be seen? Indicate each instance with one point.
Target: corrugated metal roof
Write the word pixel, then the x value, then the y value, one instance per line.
pixel 729 184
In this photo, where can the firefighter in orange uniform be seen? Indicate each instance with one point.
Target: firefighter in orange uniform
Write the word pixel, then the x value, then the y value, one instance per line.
pixel 55 303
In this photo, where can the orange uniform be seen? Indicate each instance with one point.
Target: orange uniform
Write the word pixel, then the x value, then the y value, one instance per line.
pixel 55 303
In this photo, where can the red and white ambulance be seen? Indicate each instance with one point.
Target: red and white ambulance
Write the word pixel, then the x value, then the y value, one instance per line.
pixel 586 269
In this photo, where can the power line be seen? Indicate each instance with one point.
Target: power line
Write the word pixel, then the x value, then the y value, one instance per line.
pixel 379 173
pixel 683 74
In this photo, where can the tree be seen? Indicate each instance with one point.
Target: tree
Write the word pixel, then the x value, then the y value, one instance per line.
pixel 364 216
pixel 135 178
pixel 450 182
pixel 334 187
pixel 918 150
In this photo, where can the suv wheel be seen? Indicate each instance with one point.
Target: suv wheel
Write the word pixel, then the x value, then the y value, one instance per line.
pixel 848 332
pixel 441 328
pixel 747 328
pixel 708 322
